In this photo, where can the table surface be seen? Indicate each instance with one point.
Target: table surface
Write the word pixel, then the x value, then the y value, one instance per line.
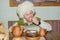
pixel 53 35
pixel 49 36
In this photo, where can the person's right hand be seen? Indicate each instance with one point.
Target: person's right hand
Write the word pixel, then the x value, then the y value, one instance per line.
pixel 35 20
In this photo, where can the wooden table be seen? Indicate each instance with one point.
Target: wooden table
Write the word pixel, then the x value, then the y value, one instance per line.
pixel 49 36
pixel 52 36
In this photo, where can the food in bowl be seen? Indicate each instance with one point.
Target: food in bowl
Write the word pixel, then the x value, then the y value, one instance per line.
pixel 32 35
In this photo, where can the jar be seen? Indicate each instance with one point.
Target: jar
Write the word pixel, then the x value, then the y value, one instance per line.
pixel 16 31
pixel 42 32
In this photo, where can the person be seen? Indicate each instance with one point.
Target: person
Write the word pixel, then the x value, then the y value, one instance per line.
pixel 27 13
pixel 4 33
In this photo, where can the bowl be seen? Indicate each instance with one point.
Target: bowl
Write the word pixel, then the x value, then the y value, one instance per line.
pixel 32 35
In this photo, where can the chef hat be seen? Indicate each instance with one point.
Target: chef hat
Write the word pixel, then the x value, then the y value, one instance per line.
pixel 24 7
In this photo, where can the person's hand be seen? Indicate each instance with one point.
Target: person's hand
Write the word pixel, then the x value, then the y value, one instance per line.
pixel 35 21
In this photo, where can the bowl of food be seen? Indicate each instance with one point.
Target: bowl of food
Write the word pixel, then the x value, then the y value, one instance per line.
pixel 32 35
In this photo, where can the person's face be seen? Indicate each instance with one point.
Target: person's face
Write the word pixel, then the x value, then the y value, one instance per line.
pixel 28 15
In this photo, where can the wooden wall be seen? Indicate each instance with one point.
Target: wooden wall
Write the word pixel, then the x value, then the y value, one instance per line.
pixel 55 25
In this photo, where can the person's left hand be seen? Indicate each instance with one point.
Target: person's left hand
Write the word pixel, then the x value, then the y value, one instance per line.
pixel 35 21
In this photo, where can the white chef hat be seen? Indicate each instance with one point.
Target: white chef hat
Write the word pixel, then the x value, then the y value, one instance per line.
pixel 24 7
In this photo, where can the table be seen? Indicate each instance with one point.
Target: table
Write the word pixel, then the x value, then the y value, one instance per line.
pixel 52 35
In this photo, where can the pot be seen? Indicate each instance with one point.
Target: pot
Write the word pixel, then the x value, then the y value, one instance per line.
pixel 32 38
pixel 16 31
pixel 32 35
